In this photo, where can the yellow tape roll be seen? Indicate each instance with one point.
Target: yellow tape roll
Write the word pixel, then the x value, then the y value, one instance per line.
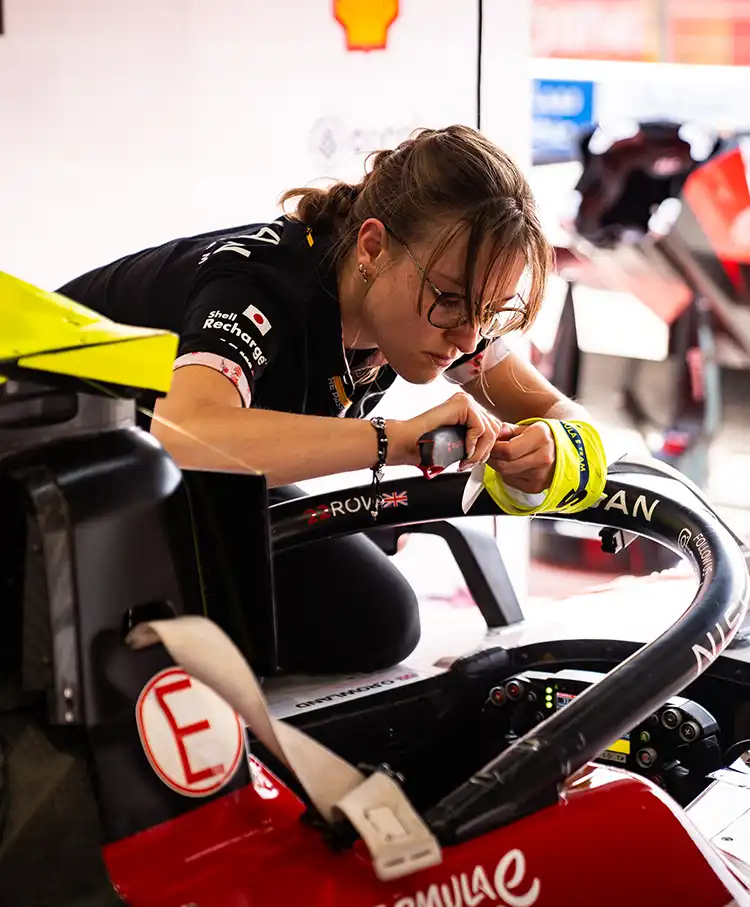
pixel 579 479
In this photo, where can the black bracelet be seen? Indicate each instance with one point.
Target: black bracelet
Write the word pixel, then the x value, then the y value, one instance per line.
pixel 378 424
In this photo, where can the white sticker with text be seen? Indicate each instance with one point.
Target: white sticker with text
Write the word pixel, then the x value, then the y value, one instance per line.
pixel 507 886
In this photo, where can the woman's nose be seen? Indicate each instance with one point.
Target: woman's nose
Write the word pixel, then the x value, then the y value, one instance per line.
pixel 466 337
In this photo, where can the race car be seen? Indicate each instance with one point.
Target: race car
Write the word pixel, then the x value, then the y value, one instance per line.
pixel 155 753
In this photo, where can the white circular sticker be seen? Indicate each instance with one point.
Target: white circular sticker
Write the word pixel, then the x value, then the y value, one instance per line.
pixel 191 736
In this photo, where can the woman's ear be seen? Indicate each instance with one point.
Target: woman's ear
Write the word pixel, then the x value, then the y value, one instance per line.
pixel 372 243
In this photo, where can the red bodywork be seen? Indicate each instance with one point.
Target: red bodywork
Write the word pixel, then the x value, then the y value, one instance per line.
pixel 719 195
pixel 614 839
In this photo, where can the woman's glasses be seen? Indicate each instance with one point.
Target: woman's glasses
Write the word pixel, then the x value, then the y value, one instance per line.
pixel 450 311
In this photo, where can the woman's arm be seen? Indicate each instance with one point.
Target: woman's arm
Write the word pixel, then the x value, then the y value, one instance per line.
pixel 514 390
pixel 212 430
pixel 203 425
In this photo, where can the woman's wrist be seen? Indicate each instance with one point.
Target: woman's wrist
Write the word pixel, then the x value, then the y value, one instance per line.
pixel 396 454
pixel 378 423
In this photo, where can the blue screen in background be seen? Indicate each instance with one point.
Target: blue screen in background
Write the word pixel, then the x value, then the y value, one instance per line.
pixel 561 110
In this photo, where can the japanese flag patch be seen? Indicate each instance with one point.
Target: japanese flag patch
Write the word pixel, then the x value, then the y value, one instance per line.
pixel 258 319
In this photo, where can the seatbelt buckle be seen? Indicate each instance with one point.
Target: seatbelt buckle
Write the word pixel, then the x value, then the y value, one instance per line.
pixel 399 841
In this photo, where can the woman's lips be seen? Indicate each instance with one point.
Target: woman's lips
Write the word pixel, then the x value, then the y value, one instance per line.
pixel 441 361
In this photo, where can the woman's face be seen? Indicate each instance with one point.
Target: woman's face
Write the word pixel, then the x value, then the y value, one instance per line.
pixel 418 350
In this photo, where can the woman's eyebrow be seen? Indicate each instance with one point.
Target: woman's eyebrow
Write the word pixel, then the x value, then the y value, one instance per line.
pixel 457 281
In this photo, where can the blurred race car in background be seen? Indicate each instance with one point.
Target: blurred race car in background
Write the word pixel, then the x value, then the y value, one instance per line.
pixel 661 212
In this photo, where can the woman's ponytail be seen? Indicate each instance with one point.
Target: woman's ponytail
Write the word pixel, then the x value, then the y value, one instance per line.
pixel 328 209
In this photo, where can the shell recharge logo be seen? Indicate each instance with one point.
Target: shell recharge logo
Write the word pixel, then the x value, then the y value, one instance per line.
pixel 366 22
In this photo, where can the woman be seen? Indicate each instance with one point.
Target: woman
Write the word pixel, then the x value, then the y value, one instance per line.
pixel 289 326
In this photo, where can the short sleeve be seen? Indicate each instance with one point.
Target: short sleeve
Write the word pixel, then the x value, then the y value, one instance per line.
pixel 234 321
pixel 486 356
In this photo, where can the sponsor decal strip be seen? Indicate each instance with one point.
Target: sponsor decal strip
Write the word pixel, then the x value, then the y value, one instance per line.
pixel 507 886
pixel 619 501
pixel 357 691
pixel 353 505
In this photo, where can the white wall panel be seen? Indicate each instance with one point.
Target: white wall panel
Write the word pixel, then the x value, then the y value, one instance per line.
pixel 126 124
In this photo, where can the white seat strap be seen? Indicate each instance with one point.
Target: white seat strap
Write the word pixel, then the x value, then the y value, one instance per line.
pixel 399 842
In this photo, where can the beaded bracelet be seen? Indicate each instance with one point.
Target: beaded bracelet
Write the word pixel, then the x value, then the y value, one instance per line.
pixel 378 424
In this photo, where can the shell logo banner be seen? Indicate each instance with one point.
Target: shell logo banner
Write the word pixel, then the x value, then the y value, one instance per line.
pixel 366 22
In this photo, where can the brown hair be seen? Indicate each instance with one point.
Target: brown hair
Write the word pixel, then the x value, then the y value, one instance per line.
pixel 454 175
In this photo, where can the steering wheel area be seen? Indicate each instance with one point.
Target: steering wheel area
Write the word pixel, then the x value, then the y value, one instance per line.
pixel 654 502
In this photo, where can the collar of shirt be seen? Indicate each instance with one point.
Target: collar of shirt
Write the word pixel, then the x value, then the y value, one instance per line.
pixel 325 332
pixel 325 341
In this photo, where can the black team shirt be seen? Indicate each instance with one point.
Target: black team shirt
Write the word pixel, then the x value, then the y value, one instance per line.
pixel 258 303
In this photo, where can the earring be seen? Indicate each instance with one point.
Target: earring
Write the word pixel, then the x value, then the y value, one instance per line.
pixel 365 276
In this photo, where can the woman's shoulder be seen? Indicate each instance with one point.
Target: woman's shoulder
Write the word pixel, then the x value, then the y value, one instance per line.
pixel 283 265
pixel 286 249
pixel 262 237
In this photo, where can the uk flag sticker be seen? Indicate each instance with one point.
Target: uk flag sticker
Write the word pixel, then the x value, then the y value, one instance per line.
pixel 397 499
pixel 258 319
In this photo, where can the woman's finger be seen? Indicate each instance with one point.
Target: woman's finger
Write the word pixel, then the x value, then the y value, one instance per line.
pixel 532 484
pixel 477 452
pixel 486 430
pixel 476 428
pixel 519 446
pixel 534 456
pixel 504 430
pixel 538 476
pixel 485 442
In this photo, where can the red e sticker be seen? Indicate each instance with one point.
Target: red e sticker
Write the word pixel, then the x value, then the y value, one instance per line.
pixel 193 739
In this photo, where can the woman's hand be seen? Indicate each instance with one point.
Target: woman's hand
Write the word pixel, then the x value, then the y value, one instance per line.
pixel 526 459
pixel 483 431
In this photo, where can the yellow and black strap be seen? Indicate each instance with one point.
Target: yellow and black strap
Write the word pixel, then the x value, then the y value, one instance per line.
pixel 578 481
